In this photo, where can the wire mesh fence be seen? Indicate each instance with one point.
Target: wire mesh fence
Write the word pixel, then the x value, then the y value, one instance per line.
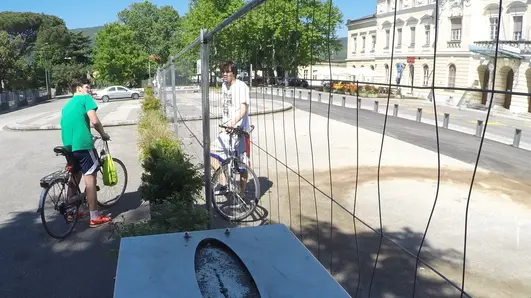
pixel 395 197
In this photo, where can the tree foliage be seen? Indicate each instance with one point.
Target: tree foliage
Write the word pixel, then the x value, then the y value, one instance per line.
pixel 280 34
pixel 156 29
pixel 117 57
pixel 31 43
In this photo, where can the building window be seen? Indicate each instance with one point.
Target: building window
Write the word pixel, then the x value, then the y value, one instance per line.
pixel 386 78
pixel 399 37
pixel 412 38
pixel 456 28
pixel 427 34
pixel 387 38
pixel 373 43
pixel 517 27
pixel 305 73
pixel 493 27
pixel 355 44
pixel 426 73
pixel 363 44
pixel 451 76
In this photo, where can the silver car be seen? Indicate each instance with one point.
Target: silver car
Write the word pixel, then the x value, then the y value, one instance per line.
pixel 116 92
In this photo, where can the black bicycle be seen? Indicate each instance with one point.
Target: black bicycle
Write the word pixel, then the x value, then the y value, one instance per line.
pixel 66 210
pixel 236 201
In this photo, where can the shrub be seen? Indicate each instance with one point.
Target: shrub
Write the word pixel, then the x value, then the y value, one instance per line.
pixel 153 127
pixel 168 217
pixel 151 103
pixel 168 174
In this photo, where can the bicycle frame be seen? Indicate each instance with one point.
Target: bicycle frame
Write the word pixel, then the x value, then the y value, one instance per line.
pixel 66 174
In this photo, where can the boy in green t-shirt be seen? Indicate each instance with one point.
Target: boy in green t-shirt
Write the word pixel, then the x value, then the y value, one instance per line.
pixel 77 116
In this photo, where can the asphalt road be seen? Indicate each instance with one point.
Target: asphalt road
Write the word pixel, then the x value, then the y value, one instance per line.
pixel 495 156
pixel 32 263
pixel 499 128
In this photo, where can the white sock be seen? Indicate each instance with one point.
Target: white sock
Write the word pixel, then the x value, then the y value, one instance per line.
pixel 94 214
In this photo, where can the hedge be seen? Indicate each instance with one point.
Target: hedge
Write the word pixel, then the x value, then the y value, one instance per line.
pixel 170 182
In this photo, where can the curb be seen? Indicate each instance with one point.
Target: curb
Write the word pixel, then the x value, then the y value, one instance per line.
pixel 287 107
pixel 29 127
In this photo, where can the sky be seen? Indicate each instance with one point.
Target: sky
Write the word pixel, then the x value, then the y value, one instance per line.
pixel 98 12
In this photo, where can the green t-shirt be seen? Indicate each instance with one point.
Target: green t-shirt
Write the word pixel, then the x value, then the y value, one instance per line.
pixel 75 124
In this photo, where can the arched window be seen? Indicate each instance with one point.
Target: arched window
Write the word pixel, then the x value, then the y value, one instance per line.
pixel 451 75
pixel 386 77
pixel 426 75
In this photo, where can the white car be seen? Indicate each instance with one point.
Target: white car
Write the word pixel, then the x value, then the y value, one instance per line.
pixel 115 92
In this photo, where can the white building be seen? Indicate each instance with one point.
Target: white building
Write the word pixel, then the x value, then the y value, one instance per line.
pixel 465 46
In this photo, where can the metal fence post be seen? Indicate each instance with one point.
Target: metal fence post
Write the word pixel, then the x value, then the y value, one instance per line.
pixel 300 94
pixel 395 111
pixel 446 120
pixel 359 103
pixel 319 96
pixel 517 136
pixel 174 96
pixel 205 92
pixel 376 106
pixel 419 114
pixel 344 101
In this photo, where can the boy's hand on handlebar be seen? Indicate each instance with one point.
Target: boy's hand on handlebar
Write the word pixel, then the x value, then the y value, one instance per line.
pixel 105 137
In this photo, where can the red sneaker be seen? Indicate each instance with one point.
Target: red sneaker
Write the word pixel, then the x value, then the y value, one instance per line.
pixel 99 221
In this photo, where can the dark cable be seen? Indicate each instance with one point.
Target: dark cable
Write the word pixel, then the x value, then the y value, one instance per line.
pixel 311 145
pixel 480 147
pixel 381 153
pixel 438 147
pixel 356 190
pixel 328 138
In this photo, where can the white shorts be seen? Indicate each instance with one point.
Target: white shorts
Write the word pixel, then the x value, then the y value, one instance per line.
pixel 220 147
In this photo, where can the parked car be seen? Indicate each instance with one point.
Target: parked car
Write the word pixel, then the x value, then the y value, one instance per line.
pixel 115 92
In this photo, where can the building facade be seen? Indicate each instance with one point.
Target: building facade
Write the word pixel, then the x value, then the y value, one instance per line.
pixel 464 46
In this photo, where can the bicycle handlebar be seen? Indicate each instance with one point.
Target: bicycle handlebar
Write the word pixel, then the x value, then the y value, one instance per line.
pixel 237 129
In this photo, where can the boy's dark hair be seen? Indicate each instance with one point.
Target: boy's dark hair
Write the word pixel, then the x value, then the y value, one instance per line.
pixel 75 83
pixel 228 66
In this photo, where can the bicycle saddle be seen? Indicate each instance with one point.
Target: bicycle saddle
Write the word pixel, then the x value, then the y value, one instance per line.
pixel 61 150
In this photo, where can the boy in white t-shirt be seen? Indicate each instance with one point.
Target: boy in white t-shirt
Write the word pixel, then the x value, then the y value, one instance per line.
pixel 235 113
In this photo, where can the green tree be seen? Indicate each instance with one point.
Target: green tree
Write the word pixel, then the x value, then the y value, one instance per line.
pixel 156 30
pixel 9 55
pixel 117 58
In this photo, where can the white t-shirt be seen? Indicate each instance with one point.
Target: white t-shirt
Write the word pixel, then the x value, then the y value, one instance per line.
pixel 232 97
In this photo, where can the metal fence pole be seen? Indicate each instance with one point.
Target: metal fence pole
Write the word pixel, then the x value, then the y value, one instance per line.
pixel 395 111
pixel 174 96
pixel 205 92
pixel 419 114
pixel 375 108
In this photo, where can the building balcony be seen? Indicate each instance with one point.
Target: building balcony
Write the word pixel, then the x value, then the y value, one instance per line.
pixel 522 47
pixel 454 44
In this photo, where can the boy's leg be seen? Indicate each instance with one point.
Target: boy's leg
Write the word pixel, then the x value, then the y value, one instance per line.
pixel 89 165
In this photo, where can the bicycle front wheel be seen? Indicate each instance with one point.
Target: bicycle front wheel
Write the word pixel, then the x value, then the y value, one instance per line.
pixel 58 217
pixel 235 196
pixel 108 195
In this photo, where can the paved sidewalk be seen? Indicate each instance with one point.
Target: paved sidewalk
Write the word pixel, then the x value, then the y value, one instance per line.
pixel 117 113
pixel 190 106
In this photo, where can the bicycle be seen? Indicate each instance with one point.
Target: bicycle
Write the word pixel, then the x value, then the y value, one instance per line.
pixel 231 167
pixel 68 208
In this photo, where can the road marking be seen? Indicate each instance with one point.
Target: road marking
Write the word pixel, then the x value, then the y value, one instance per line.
pixel 490 123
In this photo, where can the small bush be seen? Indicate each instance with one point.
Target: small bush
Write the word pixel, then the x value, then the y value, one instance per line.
pixel 153 127
pixel 169 175
pixel 169 217
pixel 151 103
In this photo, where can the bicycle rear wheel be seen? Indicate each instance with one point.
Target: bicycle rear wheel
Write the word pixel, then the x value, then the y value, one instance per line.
pixel 116 191
pixel 66 215
pixel 235 204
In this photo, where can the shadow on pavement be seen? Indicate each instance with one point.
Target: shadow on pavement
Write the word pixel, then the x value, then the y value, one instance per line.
pixel 395 271
pixel 82 265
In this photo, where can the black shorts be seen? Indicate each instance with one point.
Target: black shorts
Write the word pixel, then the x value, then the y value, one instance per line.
pixel 85 161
